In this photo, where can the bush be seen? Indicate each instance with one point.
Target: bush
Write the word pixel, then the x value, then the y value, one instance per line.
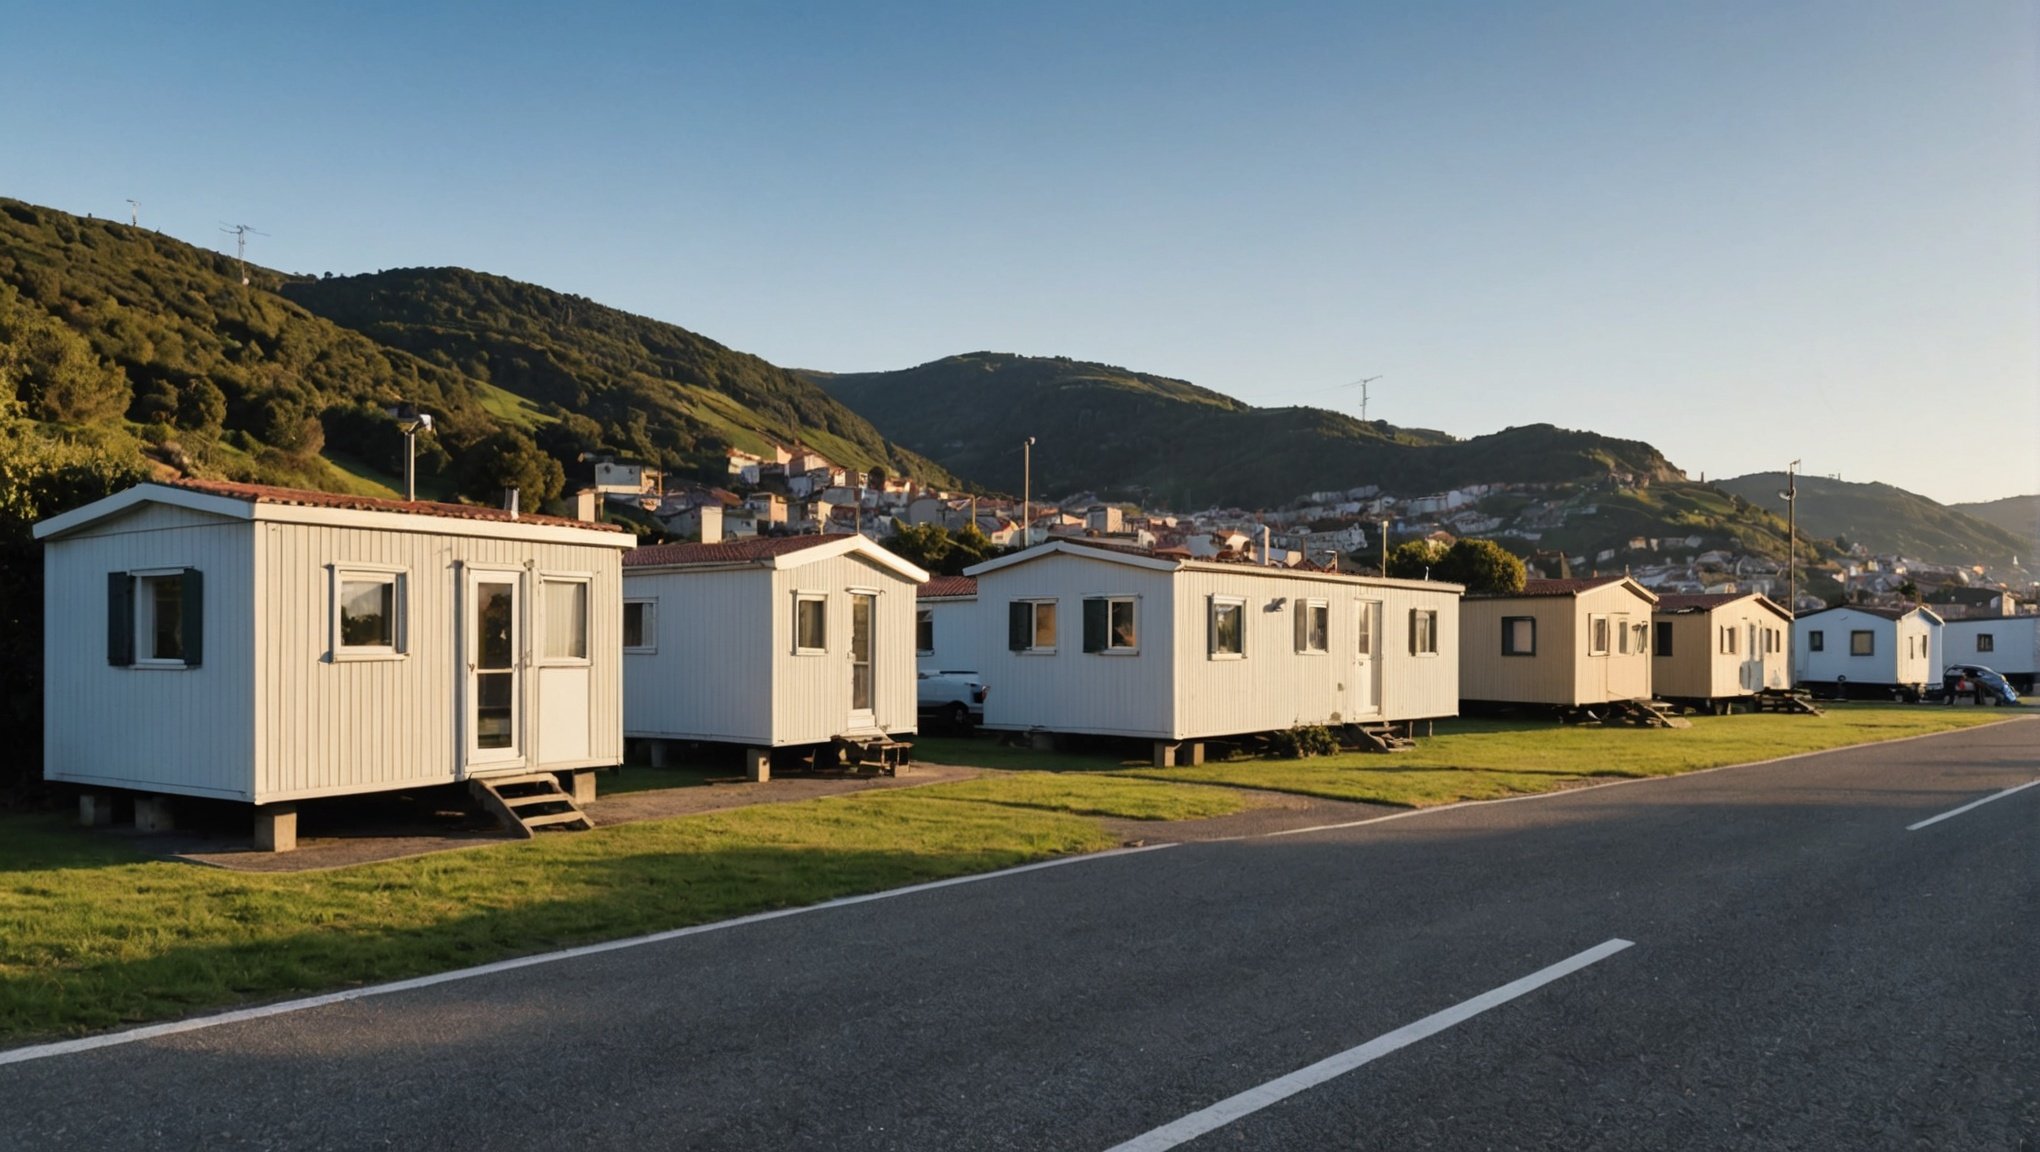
pixel 1303 741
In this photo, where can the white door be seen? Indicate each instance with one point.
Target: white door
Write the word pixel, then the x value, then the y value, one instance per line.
pixel 863 684
pixel 1753 658
pixel 492 617
pixel 1363 691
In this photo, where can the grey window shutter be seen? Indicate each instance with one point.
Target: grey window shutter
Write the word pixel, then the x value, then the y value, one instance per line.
pixel 120 619
pixel 1302 626
pixel 1095 626
pixel 1414 649
pixel 191 591
pixel 1019 626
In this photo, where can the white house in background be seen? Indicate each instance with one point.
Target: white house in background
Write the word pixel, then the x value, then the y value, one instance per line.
pixel 1074 637
pixel 2009 645
pixel 1712 649
pixel 1858 650
pixel 945 625
pixel 626 478
pixel 1558 643
pixel 771 642
pixel 266 645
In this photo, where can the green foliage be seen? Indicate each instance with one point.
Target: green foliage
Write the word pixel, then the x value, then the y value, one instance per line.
pixel 1481 565
pixel 52 370
pixel 1416 560
pixel 1884 519
pixel 509 459
pixel 931 546
pixel 1303 741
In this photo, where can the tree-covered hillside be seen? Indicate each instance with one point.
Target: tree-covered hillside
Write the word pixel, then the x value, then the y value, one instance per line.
pixel 1883 519
pixel 1171 443
pixel 583 376
pixel 2018 515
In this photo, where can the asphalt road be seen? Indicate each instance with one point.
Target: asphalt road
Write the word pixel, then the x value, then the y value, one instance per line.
pixel 1805 973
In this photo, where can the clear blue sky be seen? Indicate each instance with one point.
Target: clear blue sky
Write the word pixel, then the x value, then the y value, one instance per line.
pixel 1745 232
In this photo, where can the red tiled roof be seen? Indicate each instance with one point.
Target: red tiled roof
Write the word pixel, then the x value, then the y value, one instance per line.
pixel 1565 587
pixel 304 498
pixel 1697 601
pixel 727 551
pixel 949 586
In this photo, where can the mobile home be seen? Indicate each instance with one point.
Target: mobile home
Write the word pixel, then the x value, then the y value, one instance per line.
pixel 945 631
pixel 769 642
pixel 1711 650
pixel 2008 645
pixel 266 645
pixel 1857 651
pixel 1558 643
pixel 1078 637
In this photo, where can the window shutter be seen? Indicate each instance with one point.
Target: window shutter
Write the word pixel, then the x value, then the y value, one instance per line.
pixel 1211 625
pixel 120 619
pixel 1413 633
pixel 1019 626
pixel 1302 626
pixel 191 590
pixel 1095 626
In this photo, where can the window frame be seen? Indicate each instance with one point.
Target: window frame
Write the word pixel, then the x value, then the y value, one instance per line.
pixel 648 624
pixel 800 598
pixel 1214 605
pixel 1112 602
pixel 1986 641
pixel 397 577
pixel 1306 609
pixel 1729 640
pixel 1424 641
pixel 1816 640
pixel 1868 636
pixel 1508 636
pixel 144 579
pixel 1661 640
pixel 1597 634
pixel 924 618
pixel 1033 647
pixel 542 657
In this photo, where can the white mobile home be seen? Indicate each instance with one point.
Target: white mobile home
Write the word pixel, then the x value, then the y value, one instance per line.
pixel 1558 643
pixel 945 625
pixel 2009 645
pixel 267 645
pixel 769 642
pixel 1859 651
pixel 1080 638
pixel 1713 648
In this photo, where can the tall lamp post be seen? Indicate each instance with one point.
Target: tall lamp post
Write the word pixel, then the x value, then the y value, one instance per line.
pixel 1027 492
pixel 412 422
pixel 1791 495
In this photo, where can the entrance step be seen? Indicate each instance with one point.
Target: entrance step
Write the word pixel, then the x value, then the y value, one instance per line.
pixel 526 802
pixel 1378 738
pixel 1787 700
pixel 878 754
pixel 1648 714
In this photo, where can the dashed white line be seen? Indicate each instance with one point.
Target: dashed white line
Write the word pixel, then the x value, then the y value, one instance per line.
pixel 1254 1099
pixel 1971 804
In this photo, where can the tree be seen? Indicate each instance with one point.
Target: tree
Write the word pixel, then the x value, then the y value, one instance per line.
pixel 923 545
pixel 509 459
pixel 1415 559
pixel 1481 565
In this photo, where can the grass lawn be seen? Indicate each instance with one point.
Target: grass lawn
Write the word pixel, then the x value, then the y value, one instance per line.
pixel 93 936
pixel 985 752
pixel 1485 759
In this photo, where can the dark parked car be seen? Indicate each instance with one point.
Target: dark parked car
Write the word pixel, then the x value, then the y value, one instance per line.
pixel 1959 679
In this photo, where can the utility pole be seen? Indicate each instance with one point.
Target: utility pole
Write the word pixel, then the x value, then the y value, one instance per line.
pixel 1791 495
pixel 1384 548
pixel 135 213
pixel 240 233
pixel 412 422
pixel 1027 492
pixel 1363 397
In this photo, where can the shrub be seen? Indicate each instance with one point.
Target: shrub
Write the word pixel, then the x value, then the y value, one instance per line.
pixel 1303 741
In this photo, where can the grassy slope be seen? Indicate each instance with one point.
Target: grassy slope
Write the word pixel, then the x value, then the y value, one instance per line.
pixel 1883 519
pixel 2018 515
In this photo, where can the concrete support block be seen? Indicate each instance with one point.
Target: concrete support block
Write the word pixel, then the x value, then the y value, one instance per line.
pixel 579 785
pixel 1041 741
pixel 1193 753
pixel 276 828
pixel 95 809
pixel 1165 754
pixel 655 751
pixel 758 764
pixel 152 814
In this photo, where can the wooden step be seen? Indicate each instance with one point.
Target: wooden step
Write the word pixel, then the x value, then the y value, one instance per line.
pixel 536 801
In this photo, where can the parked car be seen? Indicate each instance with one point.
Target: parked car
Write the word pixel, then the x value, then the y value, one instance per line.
pixel 1960 678
pixel 955 699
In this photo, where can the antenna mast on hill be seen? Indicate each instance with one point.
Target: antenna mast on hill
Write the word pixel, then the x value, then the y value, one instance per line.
pixel 241 232
pixel 135 213
pixel 1362 385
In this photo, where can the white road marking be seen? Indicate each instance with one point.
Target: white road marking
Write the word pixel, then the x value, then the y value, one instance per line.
pixel 174 1027
pixel 1971 804
pixel 1254 1099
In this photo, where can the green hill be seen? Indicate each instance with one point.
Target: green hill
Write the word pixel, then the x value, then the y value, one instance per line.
pixel 1172 443
pixel 1883 519
pixel 2018 515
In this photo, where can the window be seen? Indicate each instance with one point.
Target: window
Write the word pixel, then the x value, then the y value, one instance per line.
pixel 1363 630
pixel 1228 628
pixel 810 622
pixel 1816 641
pixel 1597 635
pixel 1423 632
pixel 640 625
pixel 1109 624
pixel 1313 626
pixel 566 619
pixel 1986 642
pixel 1621 626
pixel 924 631
pixel 1771 639
pixel 1862 643
pixel 1664 638
pixel 1519 636
pixel 1727 640
pixel 154 619
pixel 1642 638
pixel 1030 626
pixel 367 612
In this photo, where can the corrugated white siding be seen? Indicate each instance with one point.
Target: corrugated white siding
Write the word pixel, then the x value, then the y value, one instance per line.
pixel 1902 650
pixel 812 693
pixel 710 677
pixel 328 727
pixel 189 731
pixel 956 637
pixel 1698 669
pixel 2014 647
pixel 1070 690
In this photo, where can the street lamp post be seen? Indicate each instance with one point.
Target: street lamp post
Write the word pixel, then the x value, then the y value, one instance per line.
pixel 412 422
pixel 1027 492
pixel 1791 495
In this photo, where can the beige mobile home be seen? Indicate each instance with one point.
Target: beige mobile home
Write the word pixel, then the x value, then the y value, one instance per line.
pixel 1558 643
pixel 1083 638
pixel 769 642
pixel 945 625
pixel 1857 651
pixel 267 645
pixel 1710 650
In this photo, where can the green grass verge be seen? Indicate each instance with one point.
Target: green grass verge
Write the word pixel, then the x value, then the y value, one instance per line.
pixel 986 752
pixel 1120 796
